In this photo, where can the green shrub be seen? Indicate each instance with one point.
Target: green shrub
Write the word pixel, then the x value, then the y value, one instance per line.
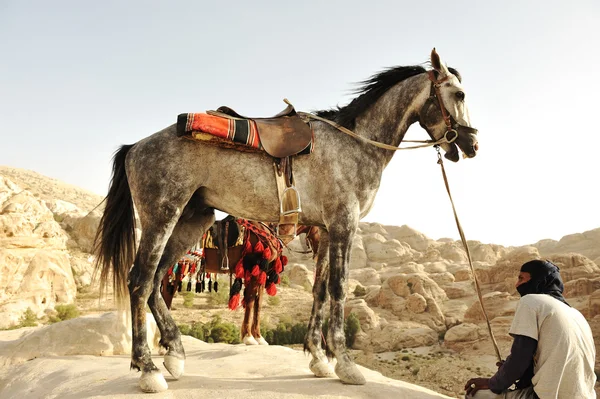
pixel 28 319
pixel 274 300
pixel 360 290
pixel 214 331
pixel 218 299
pixel 285 280
pixel 188 300
pixel 351 328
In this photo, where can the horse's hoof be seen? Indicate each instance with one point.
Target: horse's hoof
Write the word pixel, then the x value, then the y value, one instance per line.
pixel 321 368
pixel 249 340
pixel 262 341
pixel 174 365
pixel 348 373
pixel 153 382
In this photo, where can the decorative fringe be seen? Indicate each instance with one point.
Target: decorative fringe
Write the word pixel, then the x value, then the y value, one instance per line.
pixel 255 270
pixel 262 278
pixel 267 253
pixel 271 289
pixel 284 260
pixel 259 247
pixel 278 265
pixel 239 270
pixel 234 301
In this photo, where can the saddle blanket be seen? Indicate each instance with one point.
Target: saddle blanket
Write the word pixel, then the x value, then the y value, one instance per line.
pixel 241 131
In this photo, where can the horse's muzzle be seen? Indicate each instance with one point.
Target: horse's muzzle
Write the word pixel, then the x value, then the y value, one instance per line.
pixel 467 140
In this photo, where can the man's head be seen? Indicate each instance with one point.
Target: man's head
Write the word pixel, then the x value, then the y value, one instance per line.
pixel 540 277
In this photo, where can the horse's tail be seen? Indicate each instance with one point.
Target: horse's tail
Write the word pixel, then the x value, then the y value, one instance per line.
pixel 115 243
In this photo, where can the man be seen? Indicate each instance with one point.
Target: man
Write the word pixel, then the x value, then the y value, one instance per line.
pixel 553 353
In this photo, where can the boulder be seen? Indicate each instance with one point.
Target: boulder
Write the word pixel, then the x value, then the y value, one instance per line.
pixel 462 333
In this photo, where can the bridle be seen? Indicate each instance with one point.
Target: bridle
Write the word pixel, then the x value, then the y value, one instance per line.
pixel 451 129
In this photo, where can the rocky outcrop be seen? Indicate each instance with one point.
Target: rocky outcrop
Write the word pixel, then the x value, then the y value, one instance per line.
pixel 43 243
pixel 97 335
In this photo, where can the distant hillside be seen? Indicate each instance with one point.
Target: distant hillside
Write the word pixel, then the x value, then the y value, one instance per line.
pixel 49 189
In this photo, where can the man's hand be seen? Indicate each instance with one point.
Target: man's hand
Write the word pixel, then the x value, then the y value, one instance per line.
pixel 475 384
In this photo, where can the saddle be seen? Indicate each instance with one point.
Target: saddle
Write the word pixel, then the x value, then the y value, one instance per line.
pixel 282 135
pixel 223 245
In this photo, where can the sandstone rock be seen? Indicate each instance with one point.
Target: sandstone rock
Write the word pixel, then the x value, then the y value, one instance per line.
pixel 400 335
pixel 97 335
pixel 462 333
pixel 442 278
pixel 461 289
pixel 392 251
pixel 299 275
pixel 35 271
pixel 417 241
pixel 358 256
pixel 581 287
pixel 496 304
pixel 594 304
pixel 367 317
pixel 416 303
pixel 585 243
pixel 366 276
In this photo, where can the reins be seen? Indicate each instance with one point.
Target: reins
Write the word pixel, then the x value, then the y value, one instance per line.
pixel 466 247
pixel 426 143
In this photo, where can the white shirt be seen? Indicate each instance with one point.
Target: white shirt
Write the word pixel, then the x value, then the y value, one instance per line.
pixel 564 360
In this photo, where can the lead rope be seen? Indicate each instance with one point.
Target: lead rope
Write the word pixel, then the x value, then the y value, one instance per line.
pixel 466 246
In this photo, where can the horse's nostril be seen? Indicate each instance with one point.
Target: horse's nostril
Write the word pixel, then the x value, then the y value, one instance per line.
pixel 476 146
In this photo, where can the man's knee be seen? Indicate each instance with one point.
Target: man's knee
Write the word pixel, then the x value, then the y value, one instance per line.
pixel 484 394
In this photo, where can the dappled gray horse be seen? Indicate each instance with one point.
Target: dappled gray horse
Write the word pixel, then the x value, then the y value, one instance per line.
pixel 338 182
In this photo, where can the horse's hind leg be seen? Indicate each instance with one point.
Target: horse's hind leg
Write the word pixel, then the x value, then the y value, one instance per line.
pixel 319 364
pixel 260 289
pixel 193 222
pixel 249 301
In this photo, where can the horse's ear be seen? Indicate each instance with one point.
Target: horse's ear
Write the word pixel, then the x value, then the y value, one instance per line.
pixel 437 64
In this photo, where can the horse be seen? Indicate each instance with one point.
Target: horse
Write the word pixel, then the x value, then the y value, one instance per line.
pixel 338 182
pixel 235 243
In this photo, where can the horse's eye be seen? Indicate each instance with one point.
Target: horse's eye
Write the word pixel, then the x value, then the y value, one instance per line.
pixel 460 95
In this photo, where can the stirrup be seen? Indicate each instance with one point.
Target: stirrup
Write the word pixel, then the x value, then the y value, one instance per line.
pixel 290 201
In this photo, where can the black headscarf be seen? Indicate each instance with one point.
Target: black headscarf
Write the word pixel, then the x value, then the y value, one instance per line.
pixel 545 279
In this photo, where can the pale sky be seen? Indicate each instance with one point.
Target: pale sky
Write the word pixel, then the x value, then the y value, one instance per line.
pixel 80 78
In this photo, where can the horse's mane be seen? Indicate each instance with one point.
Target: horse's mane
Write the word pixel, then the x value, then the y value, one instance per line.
pixel 370 90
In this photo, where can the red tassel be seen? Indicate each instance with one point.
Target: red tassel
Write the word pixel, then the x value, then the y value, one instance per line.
pixel 239 270
pixel 234 301
pixel 262 279
pixel 278 266
pixel 284 260
pixel 259 247
pixel 248 246
pixel 267 253
pixel 271 289
pixel 255 270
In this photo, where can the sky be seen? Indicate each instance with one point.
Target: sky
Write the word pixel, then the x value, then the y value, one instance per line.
pixel 80 78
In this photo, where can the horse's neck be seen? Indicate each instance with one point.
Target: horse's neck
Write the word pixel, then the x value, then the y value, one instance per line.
pixel 390 117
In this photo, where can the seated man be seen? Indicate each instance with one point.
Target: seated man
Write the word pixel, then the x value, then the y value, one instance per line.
pixel 553 353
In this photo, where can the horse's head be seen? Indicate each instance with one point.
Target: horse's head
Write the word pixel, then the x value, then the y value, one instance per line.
pixel 445 112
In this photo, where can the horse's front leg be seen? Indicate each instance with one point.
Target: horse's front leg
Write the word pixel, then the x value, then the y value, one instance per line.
pixel 319 364
pixel 340 245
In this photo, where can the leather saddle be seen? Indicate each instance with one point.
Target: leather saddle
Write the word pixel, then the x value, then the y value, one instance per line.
pixel 282 135
pixel 223 245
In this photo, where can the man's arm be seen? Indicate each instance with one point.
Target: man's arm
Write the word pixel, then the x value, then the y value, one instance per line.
pixel 515 366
